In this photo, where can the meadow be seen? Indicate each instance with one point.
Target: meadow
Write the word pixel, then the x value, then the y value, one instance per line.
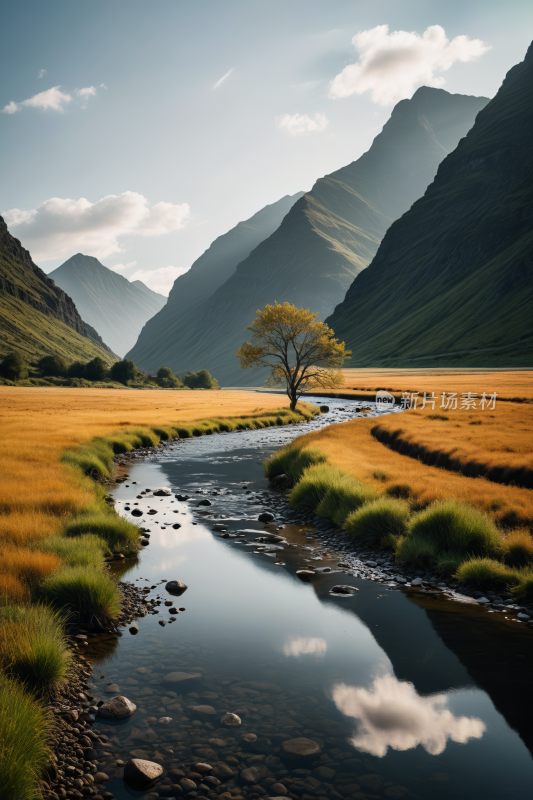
pixel 445 490
pixel 57 530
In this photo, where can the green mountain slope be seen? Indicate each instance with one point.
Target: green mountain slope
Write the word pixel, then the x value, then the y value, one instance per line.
pixel 451 281
pixel 109 302
pixel 207 273
pixel 326 239
pixel 36 316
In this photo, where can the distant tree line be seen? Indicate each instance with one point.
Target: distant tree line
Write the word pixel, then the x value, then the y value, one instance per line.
pixel 15 367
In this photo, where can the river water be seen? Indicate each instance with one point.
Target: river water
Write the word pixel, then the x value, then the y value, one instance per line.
pixel 405 695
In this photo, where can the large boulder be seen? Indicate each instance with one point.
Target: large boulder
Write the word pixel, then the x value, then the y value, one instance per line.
pixel 176 587
pixel 282 482
pixel 266 516
pixel 117 708
pixel 139 773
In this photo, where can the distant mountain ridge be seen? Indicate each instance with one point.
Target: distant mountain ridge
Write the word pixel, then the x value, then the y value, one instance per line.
pixel 207 273
pixel 452 280
pixel 36 316
pixel 327 237
pixel 116 307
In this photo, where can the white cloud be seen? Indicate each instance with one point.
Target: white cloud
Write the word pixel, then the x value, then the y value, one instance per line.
pixel 305 646
pixel 391 65
pixel 89 91
pixel 52 99
pixel 223 78
pixel 159 280
pixel 123 267
pixel 392 714
pixel 42 73
pixel 58 228
pixel 301 124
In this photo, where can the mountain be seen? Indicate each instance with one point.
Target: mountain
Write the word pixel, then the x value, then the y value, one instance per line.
pixel 452 280
pixel 328 236
pixel 115 307
pixel 36 316
pixel 207 273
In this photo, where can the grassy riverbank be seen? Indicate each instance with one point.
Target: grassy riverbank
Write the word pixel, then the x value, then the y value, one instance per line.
pixel 369 477
pixel 56 529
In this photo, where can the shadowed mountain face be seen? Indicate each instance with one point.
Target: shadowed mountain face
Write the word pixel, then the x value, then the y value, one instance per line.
pixel 36 316
pixel 159 343
pixel 326 239
pixel 115 307
pixel 451 281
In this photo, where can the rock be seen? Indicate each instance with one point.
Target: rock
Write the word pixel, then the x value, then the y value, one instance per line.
pixel 181 497
pixel 162 623
pixel 187 785
pixel 176 526
pixel 152 511
pixel 136 512
pixel 249 737
pixel 139 773
pixel 145 542
pixel 523 617
pixel 203 710
pixel 205 503
pixel 300 748
pixel 343 589
pixel 278 788
pixel 162 493
pixel 203 768
pixel 173 610
pixel 305 574
pixel 176 587
pixel 371 563
pixel 282 482
pixel 100 777
pixel 266 516
pixel 483 601
pixel 250 775
pixel 117 708
pixel 180 678
pixel 176 774
pixel 165 720
pixel 134 630
pixel 324 409
pixel 416 582
pixel 231 720
pixel 223 771
pixel 324 772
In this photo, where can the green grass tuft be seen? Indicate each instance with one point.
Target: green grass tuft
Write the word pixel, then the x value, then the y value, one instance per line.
pixel 82 551
pixel 24 754
pixel 33 647
pixel 456 527
pixel 376 522
pixel 343 497
pixel 487 572
pixel 120 535
pixel 82 591
pixel 293 461
pixel 419 551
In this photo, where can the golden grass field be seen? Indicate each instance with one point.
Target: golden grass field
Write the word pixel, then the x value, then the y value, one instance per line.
pixel 507 383
pixel 38 492
pixel 503 438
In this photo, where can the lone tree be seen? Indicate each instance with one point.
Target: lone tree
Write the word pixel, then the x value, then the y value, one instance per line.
pixel 300 351
pixel 167 380
pixel 123 371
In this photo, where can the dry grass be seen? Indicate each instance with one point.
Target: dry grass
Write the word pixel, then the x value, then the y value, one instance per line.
pixel 39 492
pixel 510 384
pixel 492 444
pixel 351 448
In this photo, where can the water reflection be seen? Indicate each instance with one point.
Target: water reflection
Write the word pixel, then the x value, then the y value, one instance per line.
pixel 305 646
pixel 393 714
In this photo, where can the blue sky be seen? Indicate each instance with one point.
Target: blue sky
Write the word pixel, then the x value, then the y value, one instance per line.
pixel 132 154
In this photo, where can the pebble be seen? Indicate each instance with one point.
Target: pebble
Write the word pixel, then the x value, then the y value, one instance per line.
pixel 117 708
pixel 140 773
pixel 231 720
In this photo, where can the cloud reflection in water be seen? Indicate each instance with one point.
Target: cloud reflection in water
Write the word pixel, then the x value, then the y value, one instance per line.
pixel 392 714
pixel 305 646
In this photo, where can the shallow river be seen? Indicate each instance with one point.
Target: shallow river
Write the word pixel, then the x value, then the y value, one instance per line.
pixel 405 696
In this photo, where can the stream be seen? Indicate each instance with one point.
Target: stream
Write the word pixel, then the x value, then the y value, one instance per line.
pixel 404 696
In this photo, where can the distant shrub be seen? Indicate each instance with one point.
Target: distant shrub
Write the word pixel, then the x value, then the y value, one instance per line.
pixel 199 380
pixel 401 491
pixel 376 521
pixel 418 551
pixel 76 369
pixel 33 647
pixel 486 572
pixel 14 366
pixel 24 753
pixel 167 380
pixel 96 370
pixel 123 371
pixel 380 475
pixel 54 366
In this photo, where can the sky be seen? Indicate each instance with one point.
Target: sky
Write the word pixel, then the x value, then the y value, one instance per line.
pixel 138 132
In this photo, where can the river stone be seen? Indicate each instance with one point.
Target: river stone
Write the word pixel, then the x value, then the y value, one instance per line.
pixel 165 720
pixel 231 720
pixel 202 768
pixel 266 516
pixel 162 493
pixel 203 709
pixel 282 482
pixel 343 589
pixel 249 737
pixel 136 512
pixel 300 748
pixel 250 775
pixel 279 789
pixel 117 708
pixel 187 785
pixel 205 503
pixel 176 587
pixel 112 688
pixel 223 770
pixel 324 772
pixel 180 678
pixel 141 773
